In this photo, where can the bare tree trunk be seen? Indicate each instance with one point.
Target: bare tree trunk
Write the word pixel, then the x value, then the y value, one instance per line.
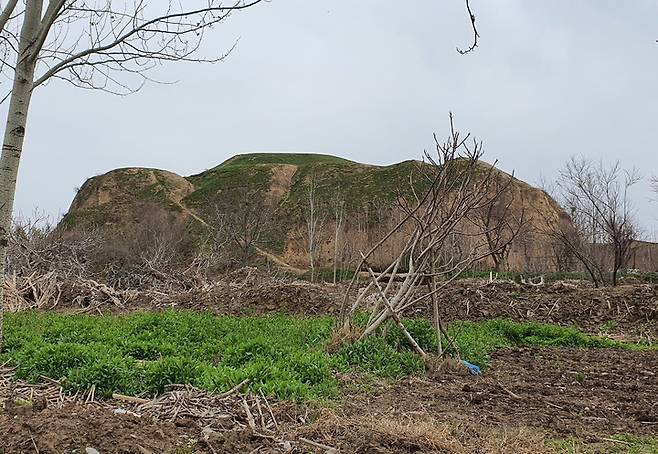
pixel 617 263
pixel 435 307
pixel 338 218
pixel 314 223
pixel 312 229
pixel 12 144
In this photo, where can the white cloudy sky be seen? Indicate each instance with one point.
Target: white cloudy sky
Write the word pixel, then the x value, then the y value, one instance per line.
pixel 370 80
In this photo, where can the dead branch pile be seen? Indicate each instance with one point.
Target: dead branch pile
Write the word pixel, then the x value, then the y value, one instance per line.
pixel 45 393
pixel 254 291
pixel 46 291
pixel 213 412
pixel 32 292
pixel 244 290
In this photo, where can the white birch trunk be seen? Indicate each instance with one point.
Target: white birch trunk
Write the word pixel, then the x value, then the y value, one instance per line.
pixel 12 145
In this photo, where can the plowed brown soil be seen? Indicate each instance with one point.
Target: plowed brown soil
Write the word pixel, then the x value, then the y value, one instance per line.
pixel 526 395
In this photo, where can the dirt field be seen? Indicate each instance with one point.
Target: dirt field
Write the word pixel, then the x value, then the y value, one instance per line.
pixel 526 397
pixel 539 393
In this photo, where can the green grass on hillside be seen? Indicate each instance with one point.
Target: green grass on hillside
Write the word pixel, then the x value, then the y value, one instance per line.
pixel 298 159
pixel 229 182
pixel 370 190
pixel 358 185
pixel 132 188
pixel 284 356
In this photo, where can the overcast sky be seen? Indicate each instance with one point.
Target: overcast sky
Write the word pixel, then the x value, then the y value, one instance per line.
pixel 371 80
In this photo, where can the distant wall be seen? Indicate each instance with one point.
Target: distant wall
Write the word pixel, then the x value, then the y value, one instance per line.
pixel 644 257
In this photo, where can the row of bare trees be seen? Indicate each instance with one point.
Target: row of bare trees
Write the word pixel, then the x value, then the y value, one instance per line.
pixel 603 231
pixel 597 235
pixel 593 229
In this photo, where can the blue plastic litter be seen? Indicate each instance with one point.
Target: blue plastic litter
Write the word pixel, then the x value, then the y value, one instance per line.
pixel 472 368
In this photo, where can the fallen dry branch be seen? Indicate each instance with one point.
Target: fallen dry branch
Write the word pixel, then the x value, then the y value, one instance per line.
pixel 313 444
pixel 130 399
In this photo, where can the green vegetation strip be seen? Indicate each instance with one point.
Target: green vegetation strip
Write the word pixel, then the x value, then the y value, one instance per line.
pixel 285 357
pixel 628 444
pixel 477 340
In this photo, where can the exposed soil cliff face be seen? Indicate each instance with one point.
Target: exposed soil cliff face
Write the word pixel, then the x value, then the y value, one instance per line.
pixel 280 184
pixel 123 196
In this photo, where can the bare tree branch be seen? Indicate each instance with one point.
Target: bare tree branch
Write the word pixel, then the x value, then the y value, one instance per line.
pixel 118 39
pixel 6 13
pixel 476 35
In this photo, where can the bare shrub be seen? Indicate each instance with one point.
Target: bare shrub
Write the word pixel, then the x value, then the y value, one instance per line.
pixel 37 247
pixel 153 253
pixel 459 186
pixel 237 223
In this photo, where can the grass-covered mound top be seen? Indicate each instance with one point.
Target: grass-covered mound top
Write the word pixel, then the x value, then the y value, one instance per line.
pixel 358 185
pixel 284 357
pixel 296 159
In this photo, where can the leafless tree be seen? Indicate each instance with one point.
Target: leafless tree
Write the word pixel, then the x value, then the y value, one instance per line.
pixel 238 224
pixel 314 217
pixel 339 224
pixel 603 228
pixel 459 185
pixel 95 44
pixel 500 224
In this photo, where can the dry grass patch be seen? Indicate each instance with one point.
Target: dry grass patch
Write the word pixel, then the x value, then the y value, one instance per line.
pixel 419 433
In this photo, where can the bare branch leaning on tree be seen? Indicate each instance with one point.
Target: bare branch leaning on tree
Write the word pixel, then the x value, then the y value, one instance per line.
pixel 459 186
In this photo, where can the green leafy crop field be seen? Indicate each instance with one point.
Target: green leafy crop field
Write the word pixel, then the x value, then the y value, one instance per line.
pixel 283 356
